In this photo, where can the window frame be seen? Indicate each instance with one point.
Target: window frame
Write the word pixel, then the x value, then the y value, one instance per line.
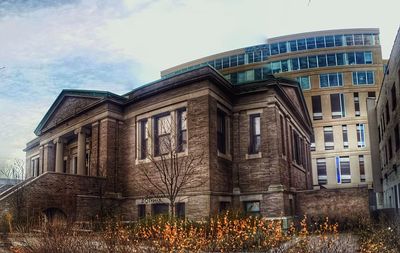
pixel 254 137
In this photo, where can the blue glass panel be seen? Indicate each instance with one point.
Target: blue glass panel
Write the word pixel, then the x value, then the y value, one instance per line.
pixel 312 61
pixel 234 61
pixel 368 57
pixel 257 56
pixel 329 41
pixel 284 65
pixel 265 54
pixel 282 47
pixel 370 77
pixel 340 58
pixel 331 59
pixel 350 58
pixel 360 58
pixel 333 80
pixel 320 42
pixel 293 45
pixel 295 63
pixel 358 39
pixel 257 74
pixel 338 40
pixel 323 81
pixel 304 82
pixel 274 49
pixel 303 62
pixel 240 59
pixel 340 79
pixel 225 62
pixel 322 60
pixel 349 39
pixel 250 57
pixel 368 39
pixel 276 67
pixel 311 43
pixel 354 77
pixel 362 77
pixel 266 70
pixel 301 44
pixel 218 63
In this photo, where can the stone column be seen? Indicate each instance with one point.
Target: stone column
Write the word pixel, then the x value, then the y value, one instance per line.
pixel 48 157
pixel 81 132
pixel 59 154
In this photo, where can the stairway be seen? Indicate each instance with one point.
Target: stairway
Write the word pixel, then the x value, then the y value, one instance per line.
pixel 9 189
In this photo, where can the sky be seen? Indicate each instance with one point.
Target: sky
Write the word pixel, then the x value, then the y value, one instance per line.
pixel 117 45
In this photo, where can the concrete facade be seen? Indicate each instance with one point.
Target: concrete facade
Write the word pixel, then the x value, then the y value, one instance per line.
pixel 86 157
pixel 385 118
pixel 276 56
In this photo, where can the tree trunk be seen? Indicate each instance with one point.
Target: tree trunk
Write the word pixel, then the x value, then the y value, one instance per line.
pixel 171 209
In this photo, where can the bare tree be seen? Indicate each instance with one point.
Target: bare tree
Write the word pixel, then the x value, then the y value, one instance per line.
pixel 14 171
pixel 165 163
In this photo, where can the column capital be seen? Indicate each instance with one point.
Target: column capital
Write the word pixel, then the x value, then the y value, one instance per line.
pixel 81 130
pixel 59 140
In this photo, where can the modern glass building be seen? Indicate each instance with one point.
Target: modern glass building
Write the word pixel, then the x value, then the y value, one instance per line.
pixel 337 71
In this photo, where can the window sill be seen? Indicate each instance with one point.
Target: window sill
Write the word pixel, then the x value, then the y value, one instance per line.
pixel 224 156
pixel 253 156
pixel 158 158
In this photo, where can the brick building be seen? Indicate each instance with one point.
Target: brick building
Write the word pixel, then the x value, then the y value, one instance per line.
pixel 255 139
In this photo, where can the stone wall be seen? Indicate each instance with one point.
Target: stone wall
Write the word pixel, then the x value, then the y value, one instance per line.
pixel 342 203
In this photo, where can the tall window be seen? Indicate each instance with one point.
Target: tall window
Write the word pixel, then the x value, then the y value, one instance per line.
pixel 143 139
pixel 330 80
pixel 255 134
pixel 344 175
pixel 337 105
pixel 362 168
pixel 221 131
pixel 360 135
pixel 345 137
pixel 181 131
pixel 316 107
pixel 394 98
pixel 356 104
pixel 304 82
pixel 363 77
pixel 397 137
pixel 283 135
pixel 328 138
pixel 321 170
pixel 162 134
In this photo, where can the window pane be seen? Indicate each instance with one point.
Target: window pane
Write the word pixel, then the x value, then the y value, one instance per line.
pixel 301 44
pixel 368 57
pixel 338 40
pixel 333 80
pixel 250 57
pixel 303 62
pixel 276 67
pixel 225 62
pixel 218 63
pixel 241 77
pixel 295 63
pixel 351 59
pixel 240 59
pixel 323 81
pixel 257 56
pixel 368 39
pixel 311 43
pixel 322 61
pixel 293 45
pixel 312 61
pixel 340 58
pixel 331 59
pixel 358 40
pixel 265 54
pixel 349 39
pixel 284 65
pixel 354 77
pixel 274 49
pixel 360 58
pixel 362 78
pixel 282 47
pixel 164 125
pixel 234 61
pixel 370 77
pixel 320 42
pixel 316 107
pixel 329 41
pixel 267 70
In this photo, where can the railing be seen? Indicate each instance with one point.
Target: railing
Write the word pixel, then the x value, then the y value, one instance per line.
pixel 16 187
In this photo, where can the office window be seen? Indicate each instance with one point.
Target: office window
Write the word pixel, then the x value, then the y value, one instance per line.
pixel 368 39
pixel 234 60
pixel 311 43
pixel 295 63
pixel 397 137
pixel 316 107
pixel 285 65
pixel 345 175
pixel 180 210
pixel 265 54
pixel 221 131
pixel 368 57
pixel 250 57
pixel 363 77
pixel 312 61
pixel 337 105
pixel 159 209
pixel 274 49
pixel 255 134
pixel 304 82
pixel 331 59
pixel 320 42
pixel 387 112
pixel 349 39
pixel 329 41
pixel 338 40
pixel 162 134
pixel 240 59
pixel 328 138
pixel 321 171
pixel 182 130
pixel 141 211
pixel 225 62
pixel 293 45
pixel 330 80
pixel 276 67
pixel 257 56
pixel 356 104
pixel 360 135
pixel 303 63
pixel 360 58
pixel 351 58
pixel 362 168
pixel 252 207
pixel 394 98
pixel 358 39
pixel 283 146
pixel 322 61
pixel 301 44
pixel 218 64
pixel 340 59
pixel 282 47
pixel 345 137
